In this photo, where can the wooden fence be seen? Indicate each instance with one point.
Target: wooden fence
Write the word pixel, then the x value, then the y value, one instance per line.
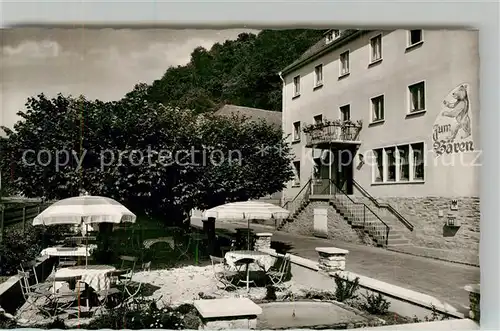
pixel 24 213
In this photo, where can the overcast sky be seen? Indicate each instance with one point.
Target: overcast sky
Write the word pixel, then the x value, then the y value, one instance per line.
pixel 101 64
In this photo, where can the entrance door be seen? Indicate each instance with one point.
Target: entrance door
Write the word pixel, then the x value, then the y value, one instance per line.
pixel 345 170
pixel 321 177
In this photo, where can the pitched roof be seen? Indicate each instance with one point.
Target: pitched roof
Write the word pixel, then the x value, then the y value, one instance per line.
pixel 271 117
pixel 322 47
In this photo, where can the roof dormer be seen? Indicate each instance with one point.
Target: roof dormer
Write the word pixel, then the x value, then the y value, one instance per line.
pixel 331 35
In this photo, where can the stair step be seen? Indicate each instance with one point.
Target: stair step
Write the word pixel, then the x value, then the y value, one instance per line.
pixel 400 245
pixel 398 241
pixel 395 236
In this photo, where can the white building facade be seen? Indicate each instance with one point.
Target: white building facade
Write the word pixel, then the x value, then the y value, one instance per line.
pixel 392 116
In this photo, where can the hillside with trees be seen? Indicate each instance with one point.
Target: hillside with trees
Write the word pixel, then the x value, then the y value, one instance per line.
pixel 243 72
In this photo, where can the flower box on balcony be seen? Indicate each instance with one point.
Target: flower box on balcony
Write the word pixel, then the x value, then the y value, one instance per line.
pixel 331 132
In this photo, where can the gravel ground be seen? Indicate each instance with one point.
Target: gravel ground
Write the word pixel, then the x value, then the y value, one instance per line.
pixel 177 286
pixel 183 285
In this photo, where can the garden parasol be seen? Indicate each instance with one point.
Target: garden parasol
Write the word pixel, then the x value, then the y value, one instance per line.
pixel 85 210
pixel 246 210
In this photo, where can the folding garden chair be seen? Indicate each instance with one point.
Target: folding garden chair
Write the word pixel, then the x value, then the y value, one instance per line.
pixel 110 292
pixel 278 275
pixel 34 297
pixel 223 275
pixel 30 268
pixel 127 261
pixel 125 279
pixel 230 248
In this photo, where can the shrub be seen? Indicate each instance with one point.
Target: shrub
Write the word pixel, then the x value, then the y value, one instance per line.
pixel 6 322
pixel 319 295
pixel 345 289
pixel 148 316
pixel 376 304
pixel 18 247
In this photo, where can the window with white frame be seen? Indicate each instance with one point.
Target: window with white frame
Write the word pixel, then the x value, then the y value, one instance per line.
pixel 345 113
pixel 390 154
pixel 378 108
pixel 417 97
pixel 296 170
pixel 376 48
pixel 418 161
pixel 414 37
pixel 318 119
pixel 344 63
pixel 378 168
pixel 296 131
pixel 296 86
pixel 318 75
pixel 402 163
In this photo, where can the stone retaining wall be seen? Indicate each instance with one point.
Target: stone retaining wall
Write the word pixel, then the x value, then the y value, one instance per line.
pixel 429 215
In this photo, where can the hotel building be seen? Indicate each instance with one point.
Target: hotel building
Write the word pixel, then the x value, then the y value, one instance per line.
pixel 386 123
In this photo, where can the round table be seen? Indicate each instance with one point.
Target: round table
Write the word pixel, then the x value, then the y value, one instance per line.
pixel 246 257
pixel 92 275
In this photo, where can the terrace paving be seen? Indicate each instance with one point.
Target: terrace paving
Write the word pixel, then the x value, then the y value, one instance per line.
pixel 443 280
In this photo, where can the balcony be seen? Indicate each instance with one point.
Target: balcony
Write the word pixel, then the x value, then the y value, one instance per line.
pixel 332 134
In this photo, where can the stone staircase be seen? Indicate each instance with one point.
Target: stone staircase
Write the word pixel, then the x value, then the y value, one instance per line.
pixel 295 214
pixel 401 229
pixel 359 213
pixel 360 217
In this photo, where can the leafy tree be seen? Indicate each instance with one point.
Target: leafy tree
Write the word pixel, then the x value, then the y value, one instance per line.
pixel 156 159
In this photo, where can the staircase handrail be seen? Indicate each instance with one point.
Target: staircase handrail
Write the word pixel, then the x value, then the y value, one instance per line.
pixel 387 206
pixel 387 228
pixel 298 194
pixel 302 194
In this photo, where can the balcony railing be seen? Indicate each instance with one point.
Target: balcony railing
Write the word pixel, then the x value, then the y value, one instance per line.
pixel 336 132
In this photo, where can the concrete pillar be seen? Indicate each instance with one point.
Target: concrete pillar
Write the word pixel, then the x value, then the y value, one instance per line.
pixel 262 241
pixel 332 259
pixel 209 231
pixel 320 222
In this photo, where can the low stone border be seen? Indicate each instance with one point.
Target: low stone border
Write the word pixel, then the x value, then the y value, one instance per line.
pixel 11 297
pixel 400 293
pixel 451 325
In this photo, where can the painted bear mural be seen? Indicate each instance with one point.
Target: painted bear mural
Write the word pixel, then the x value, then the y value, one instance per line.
pixel 453 119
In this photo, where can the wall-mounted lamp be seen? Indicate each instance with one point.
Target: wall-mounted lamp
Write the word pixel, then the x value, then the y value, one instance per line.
pixel 361 161
pixel 452 222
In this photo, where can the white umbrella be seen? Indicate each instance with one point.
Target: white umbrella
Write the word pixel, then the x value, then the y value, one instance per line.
pixel 246 210
pixel 85 209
